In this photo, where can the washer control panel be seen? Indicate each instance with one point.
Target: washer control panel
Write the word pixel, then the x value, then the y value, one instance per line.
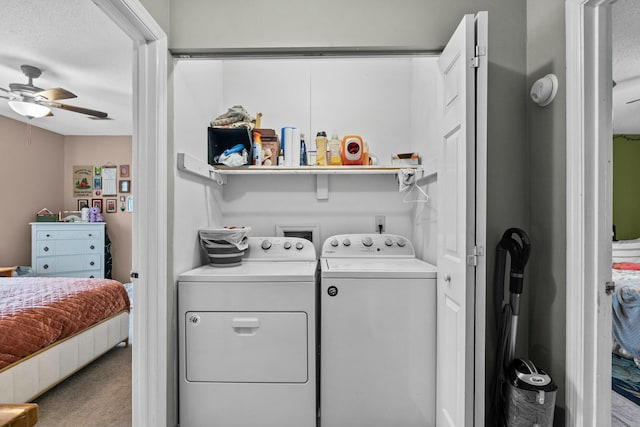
pixel 367 245
pixel 280 248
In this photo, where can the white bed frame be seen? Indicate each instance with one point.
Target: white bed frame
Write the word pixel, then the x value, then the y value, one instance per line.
pixel 28 378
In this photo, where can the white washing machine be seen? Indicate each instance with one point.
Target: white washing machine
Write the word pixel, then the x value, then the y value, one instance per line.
pixel 247 340
pixel 377 333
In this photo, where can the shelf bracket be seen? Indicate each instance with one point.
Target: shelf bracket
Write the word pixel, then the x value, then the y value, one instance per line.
pixel 322 187
pixel 194 166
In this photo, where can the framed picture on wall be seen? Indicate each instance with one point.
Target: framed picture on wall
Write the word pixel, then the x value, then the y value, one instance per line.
pixel 109 180
pixel 96 203
pixel 125 186
pixel 97 183
pixel 111 205
pixel 124 171
pixel 82 203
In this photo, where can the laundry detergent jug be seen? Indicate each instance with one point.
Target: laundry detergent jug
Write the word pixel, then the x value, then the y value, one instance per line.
pixel 352 150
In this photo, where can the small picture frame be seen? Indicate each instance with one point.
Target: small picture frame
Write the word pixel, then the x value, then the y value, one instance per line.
pixel 125 186
pixel 97 183
pixel 83 203
pixel 124 171
pixel 111 205
pixel 96 203
pixel 122 199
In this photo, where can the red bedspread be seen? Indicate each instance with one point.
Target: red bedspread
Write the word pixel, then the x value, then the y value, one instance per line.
pixel 38 311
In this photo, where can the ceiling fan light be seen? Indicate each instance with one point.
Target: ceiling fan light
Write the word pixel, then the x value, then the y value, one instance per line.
pixel 29 109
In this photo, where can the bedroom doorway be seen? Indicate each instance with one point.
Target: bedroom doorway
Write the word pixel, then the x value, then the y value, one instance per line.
pixel 152 367
pixel 588 255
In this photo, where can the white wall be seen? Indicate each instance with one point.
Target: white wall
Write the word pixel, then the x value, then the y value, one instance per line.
pixel 197 202
pixel 390 101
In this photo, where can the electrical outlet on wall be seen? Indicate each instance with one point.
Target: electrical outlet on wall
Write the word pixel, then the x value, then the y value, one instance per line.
pixel 380 224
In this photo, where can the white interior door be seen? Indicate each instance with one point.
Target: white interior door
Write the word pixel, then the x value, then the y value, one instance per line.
pixel 456 231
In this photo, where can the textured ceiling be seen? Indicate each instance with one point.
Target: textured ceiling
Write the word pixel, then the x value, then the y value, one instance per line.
pixel 79 49
pixel 626 66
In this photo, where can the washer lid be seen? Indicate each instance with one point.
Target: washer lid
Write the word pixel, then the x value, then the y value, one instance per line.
pixel 377 268
pixel 254 271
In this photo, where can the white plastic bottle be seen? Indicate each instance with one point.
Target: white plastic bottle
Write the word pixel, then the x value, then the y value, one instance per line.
pixel 335 146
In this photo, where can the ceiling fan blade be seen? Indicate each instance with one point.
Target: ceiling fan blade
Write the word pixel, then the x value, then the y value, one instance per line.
pixel 81 110
pixel 631 102
pixel 55 94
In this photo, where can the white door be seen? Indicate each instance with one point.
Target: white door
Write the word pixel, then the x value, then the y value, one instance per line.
pixel 456 295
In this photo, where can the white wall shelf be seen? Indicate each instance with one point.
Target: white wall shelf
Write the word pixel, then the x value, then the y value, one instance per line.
pixel 219 174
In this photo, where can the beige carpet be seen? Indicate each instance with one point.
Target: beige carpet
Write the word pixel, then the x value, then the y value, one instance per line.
pixel 99 395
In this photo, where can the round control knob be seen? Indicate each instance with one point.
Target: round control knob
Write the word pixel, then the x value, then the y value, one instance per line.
pixel 266 245
pixel 334 243
pixel 299 246
pixel 367 241
pixel 346 242
pixel 401 243
pixel 287 245
pixel 388 242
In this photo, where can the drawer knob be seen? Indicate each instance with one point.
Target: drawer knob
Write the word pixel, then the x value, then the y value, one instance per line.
pixel 92 277
pixel 92 247
pixel 45 266
pixel 46 248
pixel 90 234
pixel 48 235
pixel 92 263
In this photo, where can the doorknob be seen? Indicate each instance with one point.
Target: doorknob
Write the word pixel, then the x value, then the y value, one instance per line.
pixel 447 278
pixel 610 287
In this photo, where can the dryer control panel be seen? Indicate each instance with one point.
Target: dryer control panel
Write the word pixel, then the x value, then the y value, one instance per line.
pixel 280 249
pixel 367 245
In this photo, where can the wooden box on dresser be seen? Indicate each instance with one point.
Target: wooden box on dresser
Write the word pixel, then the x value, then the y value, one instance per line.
pixel 68 249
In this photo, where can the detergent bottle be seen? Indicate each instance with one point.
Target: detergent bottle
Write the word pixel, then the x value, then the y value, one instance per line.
pixel 321 147
pixel 334 150
pixel 352 150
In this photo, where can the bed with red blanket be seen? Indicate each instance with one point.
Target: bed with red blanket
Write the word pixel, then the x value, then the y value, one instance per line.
pixel 52 326
pixel 626 299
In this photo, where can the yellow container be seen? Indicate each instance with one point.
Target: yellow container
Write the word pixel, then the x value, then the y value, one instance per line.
pixel 321 149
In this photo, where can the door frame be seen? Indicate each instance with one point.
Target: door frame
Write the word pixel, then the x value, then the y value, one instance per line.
pixel 153 399
pixel 588 259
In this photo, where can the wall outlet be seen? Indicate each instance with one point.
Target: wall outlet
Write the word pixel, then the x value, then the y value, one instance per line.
pixel 380 224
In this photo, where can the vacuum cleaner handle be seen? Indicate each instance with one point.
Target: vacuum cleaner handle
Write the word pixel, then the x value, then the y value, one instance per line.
pixel 519 250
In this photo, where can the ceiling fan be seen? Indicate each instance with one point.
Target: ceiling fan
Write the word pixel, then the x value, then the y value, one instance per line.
pixel 34 102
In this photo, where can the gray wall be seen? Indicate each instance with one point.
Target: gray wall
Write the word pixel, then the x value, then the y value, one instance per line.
pixel 547 137
pixel 206 26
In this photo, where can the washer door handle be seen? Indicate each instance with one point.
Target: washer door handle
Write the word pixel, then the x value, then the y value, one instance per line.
pixel 245 325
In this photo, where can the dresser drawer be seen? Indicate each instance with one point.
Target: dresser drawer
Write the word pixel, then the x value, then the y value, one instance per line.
pixel 68 263
pixel 91 233
pixel 69 247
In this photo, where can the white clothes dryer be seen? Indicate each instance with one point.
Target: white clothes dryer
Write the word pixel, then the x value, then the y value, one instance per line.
pixel 247 340
pixel 377 333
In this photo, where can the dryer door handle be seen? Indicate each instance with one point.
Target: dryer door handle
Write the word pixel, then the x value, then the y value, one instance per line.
pixel 245 325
